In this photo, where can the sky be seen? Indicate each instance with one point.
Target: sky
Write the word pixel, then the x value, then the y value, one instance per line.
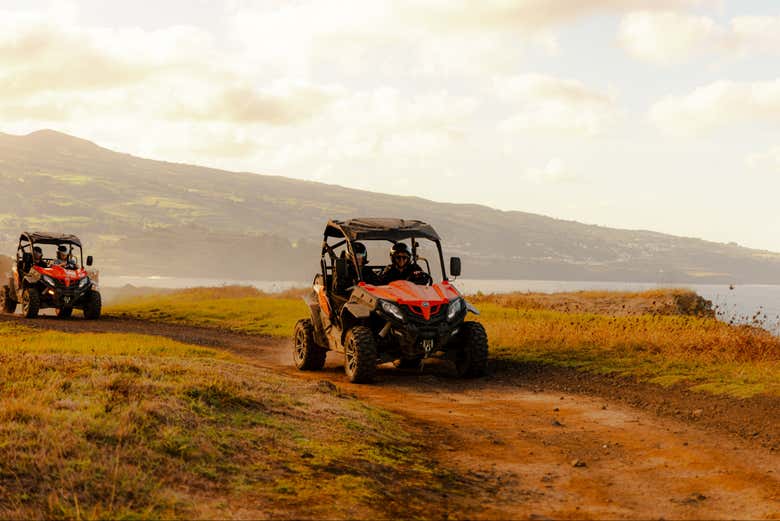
pixel 661 115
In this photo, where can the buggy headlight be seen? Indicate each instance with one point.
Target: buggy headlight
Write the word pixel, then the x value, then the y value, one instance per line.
pixel 84 282
pixel 456 306
pixel 48 280
pixel 392 310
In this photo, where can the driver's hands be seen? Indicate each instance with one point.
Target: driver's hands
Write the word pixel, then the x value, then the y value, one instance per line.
pixel 420 277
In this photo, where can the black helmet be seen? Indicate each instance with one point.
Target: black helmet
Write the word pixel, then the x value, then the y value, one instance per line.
pixel 62 248
pixel 399 247
pixel 37 249
pixel 359 250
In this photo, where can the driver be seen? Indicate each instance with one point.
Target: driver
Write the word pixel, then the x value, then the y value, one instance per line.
pixel 38 257
pixel 402 268
pixel 63 259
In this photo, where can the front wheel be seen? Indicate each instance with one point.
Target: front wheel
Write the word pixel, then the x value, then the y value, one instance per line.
pixel 472 355
pixel 308 356
pixel 93 306
pixel 9 305
pixel 360 355
pixel 31 302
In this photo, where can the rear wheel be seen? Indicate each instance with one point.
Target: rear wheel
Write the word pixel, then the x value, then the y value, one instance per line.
pixel 64 312
pixel 360 355
pixel 308 356
pixel 8 304
pixel 31 302
pixel 92 306
pixel 471 358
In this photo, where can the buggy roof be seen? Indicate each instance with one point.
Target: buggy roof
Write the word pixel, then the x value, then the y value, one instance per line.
pixel 377 228
pixel 50 238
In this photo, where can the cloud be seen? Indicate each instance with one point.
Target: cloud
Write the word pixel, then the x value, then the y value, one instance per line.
pixel 53 72
pixel 38 54
pixel 553 172
pixel 667 38
pixel 410 37
pixel 718 104
pixel 546 103
pixel 380 125
pixel 282 104
pixel 521 14
pixel 767 161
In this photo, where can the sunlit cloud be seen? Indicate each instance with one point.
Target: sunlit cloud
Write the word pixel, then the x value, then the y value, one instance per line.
pixel 411 37
pixel 718 104
pixel 382 123
pixel 540 102
pixel 278 105
pixel 670 37
pixel 523 14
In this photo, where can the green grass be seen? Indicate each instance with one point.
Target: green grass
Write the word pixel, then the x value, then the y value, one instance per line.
pixel 136 426
pixel 237 309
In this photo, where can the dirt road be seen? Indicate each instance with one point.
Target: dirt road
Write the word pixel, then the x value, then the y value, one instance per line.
pixel 540 453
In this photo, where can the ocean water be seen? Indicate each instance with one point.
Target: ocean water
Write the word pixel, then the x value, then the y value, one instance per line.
pixel 748 303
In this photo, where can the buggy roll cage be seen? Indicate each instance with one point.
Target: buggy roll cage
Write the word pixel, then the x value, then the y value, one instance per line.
pixel 391 230
pixel 28 240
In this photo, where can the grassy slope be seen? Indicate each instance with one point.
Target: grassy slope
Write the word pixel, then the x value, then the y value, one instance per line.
pixel 238 308
pixel 117 425
pixel 652 340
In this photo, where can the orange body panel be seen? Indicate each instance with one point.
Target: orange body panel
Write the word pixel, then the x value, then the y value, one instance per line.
pixel 422 300
pixel 322 298
pixel 61 274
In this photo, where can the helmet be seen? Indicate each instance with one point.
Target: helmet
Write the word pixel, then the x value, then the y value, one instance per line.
pixel 62 252
pixel 359 250
pixel 399 249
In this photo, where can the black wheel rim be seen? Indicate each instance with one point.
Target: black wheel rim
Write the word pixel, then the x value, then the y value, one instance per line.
pixel 350 358
pixel 300 346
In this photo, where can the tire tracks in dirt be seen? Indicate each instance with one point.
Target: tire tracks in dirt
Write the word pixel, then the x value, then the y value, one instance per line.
pixel 535 452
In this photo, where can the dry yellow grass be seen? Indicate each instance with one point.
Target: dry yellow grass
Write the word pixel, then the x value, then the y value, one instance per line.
pixel 667 349
pixel 135 426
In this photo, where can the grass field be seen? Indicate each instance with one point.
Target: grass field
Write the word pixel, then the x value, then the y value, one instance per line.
pixel 663 336
pixel 135 426
pixel 237 308
pixel 702 353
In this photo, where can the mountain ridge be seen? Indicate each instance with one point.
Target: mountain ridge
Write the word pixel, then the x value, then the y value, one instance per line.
pixel 121 203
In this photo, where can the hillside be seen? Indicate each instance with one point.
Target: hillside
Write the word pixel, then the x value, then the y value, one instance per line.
pixel 144 217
